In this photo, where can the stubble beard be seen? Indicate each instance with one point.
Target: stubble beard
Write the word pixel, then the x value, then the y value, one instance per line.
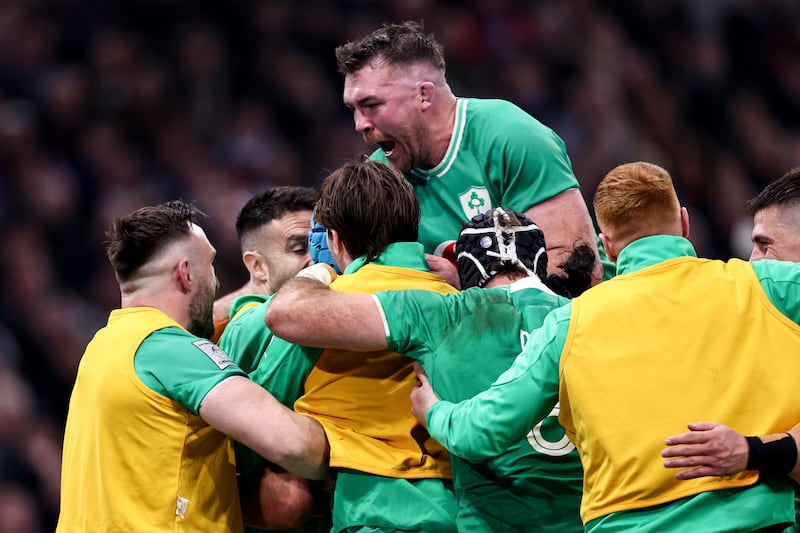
pixel 201 313
pixel 418 155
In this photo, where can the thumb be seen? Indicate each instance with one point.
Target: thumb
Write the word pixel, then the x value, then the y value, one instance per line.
pixel 421 375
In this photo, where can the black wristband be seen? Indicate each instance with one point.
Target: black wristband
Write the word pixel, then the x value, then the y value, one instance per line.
pixel 775 457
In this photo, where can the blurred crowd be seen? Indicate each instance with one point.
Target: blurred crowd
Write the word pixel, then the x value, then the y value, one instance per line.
pixel 108 106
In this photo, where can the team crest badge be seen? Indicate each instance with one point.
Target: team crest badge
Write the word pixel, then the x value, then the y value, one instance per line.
pixel 214 352
pixel 475 201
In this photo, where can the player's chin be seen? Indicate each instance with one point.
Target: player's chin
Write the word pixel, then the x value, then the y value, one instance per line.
pixel 399 160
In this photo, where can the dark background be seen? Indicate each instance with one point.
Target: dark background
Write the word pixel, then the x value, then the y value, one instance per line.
pixel 108 106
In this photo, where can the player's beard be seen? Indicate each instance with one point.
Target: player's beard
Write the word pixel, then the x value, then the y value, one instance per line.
pixel 409 152
pixel 201 313
pixel 416 150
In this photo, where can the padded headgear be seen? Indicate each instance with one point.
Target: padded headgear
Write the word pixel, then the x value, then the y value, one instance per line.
pixel 318 245
pixel 497 241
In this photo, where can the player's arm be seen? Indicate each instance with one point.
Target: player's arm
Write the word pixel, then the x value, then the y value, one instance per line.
pixel 305 311
pixel 711 449
pixel 249 414
pixel 487 424
pixel 539 181
pixel 565 221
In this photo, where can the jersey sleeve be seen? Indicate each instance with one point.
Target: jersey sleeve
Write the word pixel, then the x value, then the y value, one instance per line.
pixel 781 282
pixel 533 165
pixel 246 336
pixel 182 367
pixel 414 320
pixel 284 369
pixel 489 423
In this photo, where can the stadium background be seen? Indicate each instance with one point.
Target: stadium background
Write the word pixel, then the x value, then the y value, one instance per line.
pixel 109 105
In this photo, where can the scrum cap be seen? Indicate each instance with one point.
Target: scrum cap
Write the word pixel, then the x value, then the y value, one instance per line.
pixel 499 240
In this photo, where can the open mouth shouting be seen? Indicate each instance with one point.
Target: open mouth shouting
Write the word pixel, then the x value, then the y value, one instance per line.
pixel 387 147
pixel 395 153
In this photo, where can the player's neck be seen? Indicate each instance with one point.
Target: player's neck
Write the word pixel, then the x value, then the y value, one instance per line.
pixel 442 132
pixel 504 279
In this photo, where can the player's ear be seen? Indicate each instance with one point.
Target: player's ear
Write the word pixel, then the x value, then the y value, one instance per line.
pixel 255 264
pixel 334 242
pixel 426 92
pixel 183 276
pixel 685 222
pixel 338 251
pixel 609 247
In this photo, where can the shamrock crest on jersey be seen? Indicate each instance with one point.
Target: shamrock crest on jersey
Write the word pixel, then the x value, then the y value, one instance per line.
pixel 475 201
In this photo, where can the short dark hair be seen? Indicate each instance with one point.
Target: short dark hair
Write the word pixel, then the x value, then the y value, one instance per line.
pixel 370 205
pixel 134 239
pixel 783 191
pixel 399 43
pixel 271 204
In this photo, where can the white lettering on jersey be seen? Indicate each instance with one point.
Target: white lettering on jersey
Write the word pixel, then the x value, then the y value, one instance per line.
pixel 523 338
pixel 555 449
pixel 537 441
pixel 214 353
pixel 475 201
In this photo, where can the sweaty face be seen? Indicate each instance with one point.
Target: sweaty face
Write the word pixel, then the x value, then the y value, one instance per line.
pixel 284 247
pixel 385 104
pixel 776 234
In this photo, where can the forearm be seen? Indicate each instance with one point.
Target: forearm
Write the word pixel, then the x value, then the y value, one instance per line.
pixel 249 414
pixel 308 313
pixel 471 432
pixel 302 448
pixel 489 423
pixel 288 311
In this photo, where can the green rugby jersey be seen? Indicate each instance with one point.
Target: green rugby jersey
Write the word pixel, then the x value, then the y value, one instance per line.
pixel 245 339
pixel 465 342
pixel 499 155
pixel 524 392
pixel 360 498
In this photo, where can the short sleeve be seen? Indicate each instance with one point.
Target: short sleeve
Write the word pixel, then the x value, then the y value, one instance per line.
pixel 182 367
pixel 414 319
pixel 246 336
pixel 529 158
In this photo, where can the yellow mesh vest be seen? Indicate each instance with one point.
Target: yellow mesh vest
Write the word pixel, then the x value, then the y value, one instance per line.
pixel 683 341
pixel 134 460
pixel 362 399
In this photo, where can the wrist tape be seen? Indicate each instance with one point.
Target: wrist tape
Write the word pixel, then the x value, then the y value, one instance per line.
pixel 322 272
pixel 775 457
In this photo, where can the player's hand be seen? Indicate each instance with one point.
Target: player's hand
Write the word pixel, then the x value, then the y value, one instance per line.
pixel 445 268
pixel 422 396
pixel 710 448
pixel 321 272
